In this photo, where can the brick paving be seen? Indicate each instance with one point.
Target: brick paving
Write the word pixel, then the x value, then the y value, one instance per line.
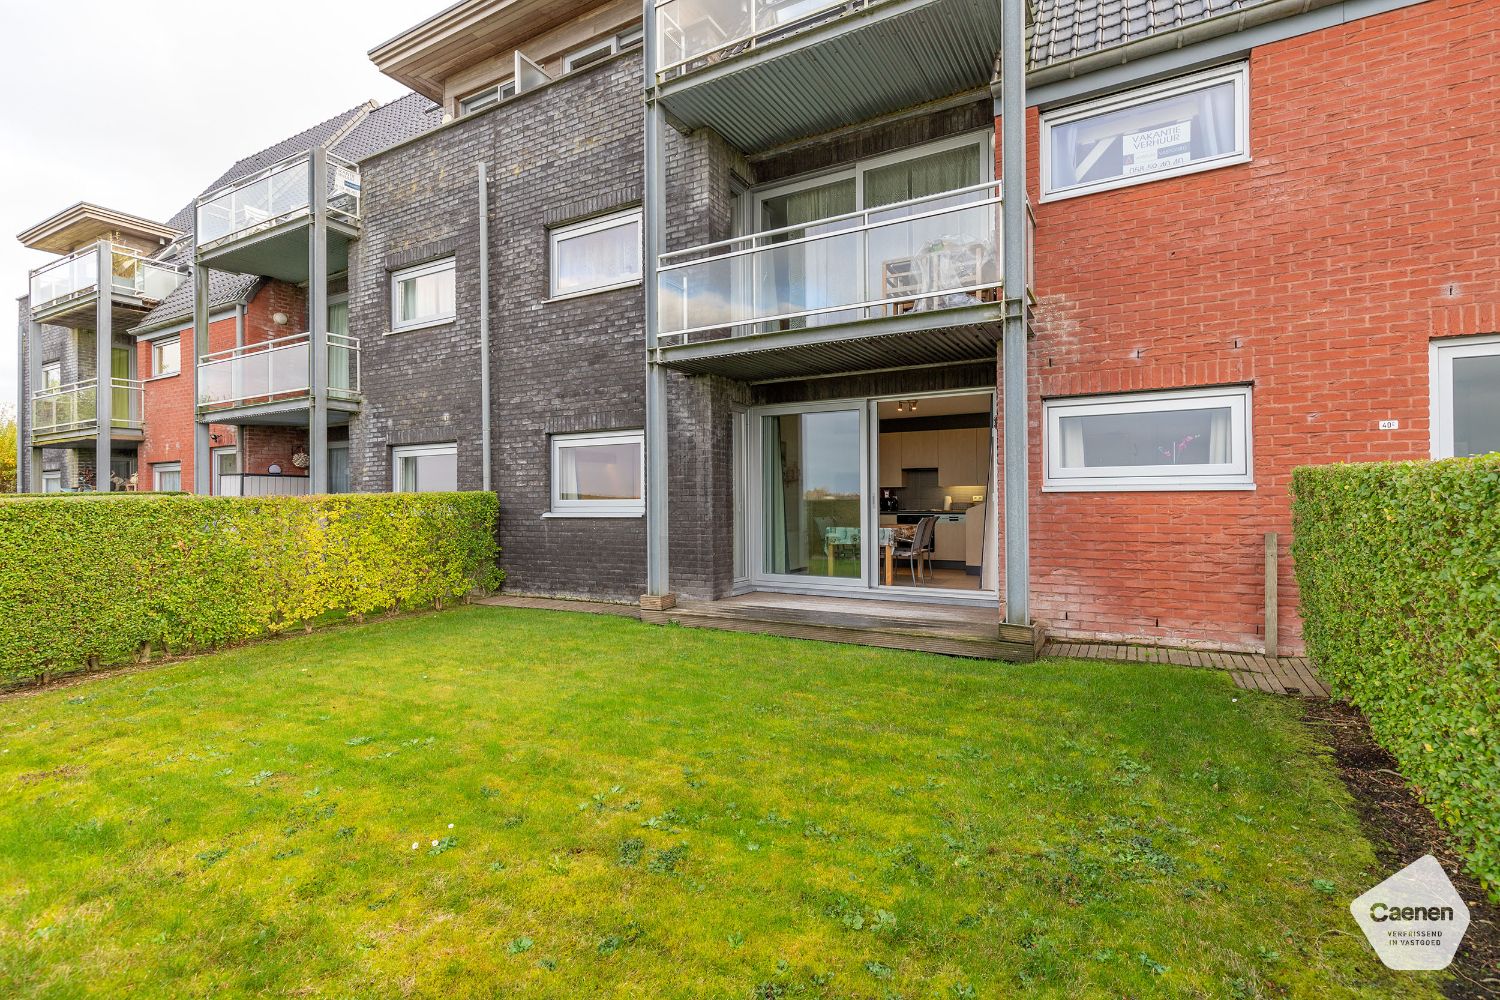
pixel 1292 675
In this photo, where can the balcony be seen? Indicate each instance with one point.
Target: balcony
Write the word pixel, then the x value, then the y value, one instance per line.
pixel 69 413
pixel 63 293
pixel 260 225
pixel 766 72
pixel 916 282
pixel 270 382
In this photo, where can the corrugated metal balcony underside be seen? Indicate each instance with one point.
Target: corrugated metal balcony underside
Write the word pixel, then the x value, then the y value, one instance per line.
pixel 838 349
pixel 894 55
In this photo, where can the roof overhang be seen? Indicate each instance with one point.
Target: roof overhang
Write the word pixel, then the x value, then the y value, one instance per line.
pixel 424 56
pixel 83 223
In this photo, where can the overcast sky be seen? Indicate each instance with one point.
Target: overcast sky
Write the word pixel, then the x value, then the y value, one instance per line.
pixel 139 106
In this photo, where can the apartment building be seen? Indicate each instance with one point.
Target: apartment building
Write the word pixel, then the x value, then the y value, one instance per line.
pixel 860 330
pixel 226 414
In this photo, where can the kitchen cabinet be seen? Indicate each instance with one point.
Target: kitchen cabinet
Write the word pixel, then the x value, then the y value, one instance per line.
pixel 949 540
pixel 890 464
pixel 957 457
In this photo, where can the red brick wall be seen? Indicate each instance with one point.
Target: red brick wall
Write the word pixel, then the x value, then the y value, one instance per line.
pixel 169 402
pixel 1366 224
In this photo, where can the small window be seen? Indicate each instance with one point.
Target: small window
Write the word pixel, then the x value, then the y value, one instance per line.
pixel 166 356
pixel 487 98
pixel 51 375
pixel 52 482
pixel 1466 397
pixel 427 468
pixel 588 55
pixel 1179 127
pixel 422 296
pixel 597 255
pixel 599 475
pixel 167 477
pixel 1193 440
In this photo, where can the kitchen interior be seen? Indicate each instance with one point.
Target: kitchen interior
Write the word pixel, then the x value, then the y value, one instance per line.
pixel 934 465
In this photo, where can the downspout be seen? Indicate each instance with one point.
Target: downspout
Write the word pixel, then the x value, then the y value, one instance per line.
pixel 484 323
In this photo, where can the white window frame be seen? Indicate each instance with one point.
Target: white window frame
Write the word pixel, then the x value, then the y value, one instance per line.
pixel 158 349
pixel 418 271
pixel 486 97
pixel 600 223
pixel 1236 474
pixel 1441 356
pixel 157 468
pixel 416 451
pixel 595 508
pixel 594 52
pixel 53 476
pixel 49 369
pixel 1237 73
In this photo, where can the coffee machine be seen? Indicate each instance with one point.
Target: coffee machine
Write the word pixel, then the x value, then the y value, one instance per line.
pixel 890 501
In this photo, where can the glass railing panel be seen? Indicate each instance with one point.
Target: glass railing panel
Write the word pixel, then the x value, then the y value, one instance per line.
pixel 64 278
pixel 281 192
pixel 159 281
pixel 692 33
pixel 276 370
pixel 63 408
pixel 927 254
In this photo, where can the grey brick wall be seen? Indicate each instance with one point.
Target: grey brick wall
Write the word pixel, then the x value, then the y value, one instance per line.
pixel 62 345
pixel 567 152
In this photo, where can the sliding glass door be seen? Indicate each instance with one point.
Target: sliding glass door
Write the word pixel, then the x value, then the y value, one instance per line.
pixel 812 496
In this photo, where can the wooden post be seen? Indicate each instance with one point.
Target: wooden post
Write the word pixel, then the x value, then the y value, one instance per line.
pixel 1271 606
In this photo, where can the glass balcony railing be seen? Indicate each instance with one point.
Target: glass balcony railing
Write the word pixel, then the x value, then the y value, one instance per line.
pixel 275 371
pixel 74 407
pixel 77 275
pixel 695 33
pixel 928 254
pixel 275 195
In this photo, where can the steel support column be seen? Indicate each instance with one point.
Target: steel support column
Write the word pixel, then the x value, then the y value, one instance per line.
pixel 317 324
pixel 104 337
pixel 202 447
pixel 1013 351
pixel 29 374
pixel 657 561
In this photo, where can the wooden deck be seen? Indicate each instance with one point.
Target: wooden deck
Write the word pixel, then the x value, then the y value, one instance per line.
pixel 1291 675
pixel 949 629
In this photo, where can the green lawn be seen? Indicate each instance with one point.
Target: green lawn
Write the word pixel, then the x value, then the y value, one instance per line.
pixel 493 802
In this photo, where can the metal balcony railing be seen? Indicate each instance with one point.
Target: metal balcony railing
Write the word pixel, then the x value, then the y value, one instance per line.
pixel 74 407
pixel 249 484
pixel 927 254
pixel 274 371
pixel 77 276
pixel 692 34
pixel 277 194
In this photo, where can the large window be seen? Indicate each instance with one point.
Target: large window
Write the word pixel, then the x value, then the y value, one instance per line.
pixel 597 255
pixel 166 357
pixel 422 296
pixel 167 477
pixel 599 475
pixel 427 468
pixel 1196 439
pixel 1466 397
pixel 1178 127
pixel 52 482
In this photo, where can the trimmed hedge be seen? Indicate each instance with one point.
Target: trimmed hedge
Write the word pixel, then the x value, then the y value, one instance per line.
pixel 93 580
pixel 1399 568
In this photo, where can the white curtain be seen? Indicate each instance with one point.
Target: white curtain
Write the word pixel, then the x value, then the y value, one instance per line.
pixel 1220 447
